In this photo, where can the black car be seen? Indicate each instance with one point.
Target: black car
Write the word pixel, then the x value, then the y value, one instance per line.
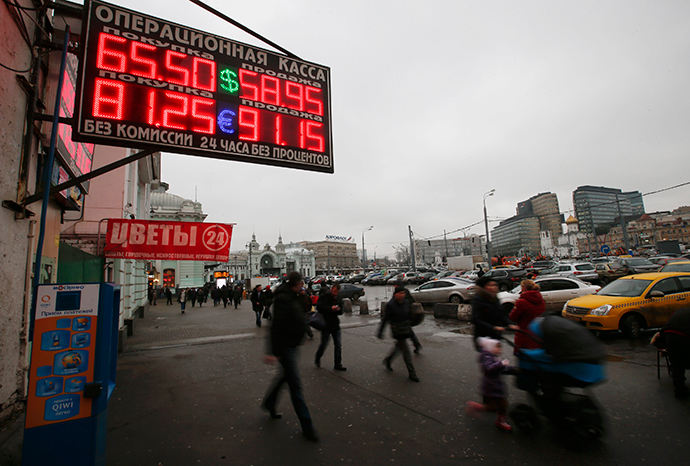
pixel 635 265
pixel 353 292
pixel 357 278
pixel 381 279
pixel 507 279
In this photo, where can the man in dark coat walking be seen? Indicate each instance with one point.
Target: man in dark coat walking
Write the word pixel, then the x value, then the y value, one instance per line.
pixel 286 334
pixel 329 305
pixel 397 313
pixel 257 301
pixel 488 317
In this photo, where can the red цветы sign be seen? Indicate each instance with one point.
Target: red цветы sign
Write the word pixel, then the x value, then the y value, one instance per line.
pixel 142 239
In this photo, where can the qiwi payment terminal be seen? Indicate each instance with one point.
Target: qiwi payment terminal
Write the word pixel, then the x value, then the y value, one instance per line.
pixel 72 374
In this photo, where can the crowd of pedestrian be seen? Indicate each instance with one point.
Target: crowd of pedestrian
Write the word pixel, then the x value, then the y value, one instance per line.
pixel 290 308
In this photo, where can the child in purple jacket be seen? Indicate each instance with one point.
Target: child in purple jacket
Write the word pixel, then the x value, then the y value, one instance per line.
pixel 493 389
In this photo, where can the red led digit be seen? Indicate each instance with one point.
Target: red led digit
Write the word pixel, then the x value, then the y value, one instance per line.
pixel 249 90
pixel 208 116
pixel 204 80
pixel 109 59
pixel 278 130
pixel 149 65
pixel 168 112
pixel 319 142
pixel 294 91
pixel 152 105
pixel 184 72
pixel 318 103
pixel 108 98
pixel 270 90
pixel 249 120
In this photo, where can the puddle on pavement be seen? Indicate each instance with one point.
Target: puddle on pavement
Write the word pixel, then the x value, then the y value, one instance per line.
pixel 464 331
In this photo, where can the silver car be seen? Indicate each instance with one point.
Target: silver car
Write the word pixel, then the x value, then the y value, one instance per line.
pixel 556 291
pixel 580 270
pixel 445 290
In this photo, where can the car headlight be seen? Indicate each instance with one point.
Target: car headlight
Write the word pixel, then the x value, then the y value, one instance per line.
pixel 601 310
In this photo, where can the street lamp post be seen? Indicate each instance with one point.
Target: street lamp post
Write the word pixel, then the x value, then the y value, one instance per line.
pixel 364 255
pixel 486 226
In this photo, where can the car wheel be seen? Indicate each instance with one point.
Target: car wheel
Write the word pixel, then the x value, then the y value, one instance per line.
pixel 503 287
pixel 631 326
pixel 507 307
pixel 355 296
pixel 605 281
pixel 455 299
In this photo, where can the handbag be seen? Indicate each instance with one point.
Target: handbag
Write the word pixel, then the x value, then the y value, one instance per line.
pixel 267 313
pixel 416 314
pixel 316 320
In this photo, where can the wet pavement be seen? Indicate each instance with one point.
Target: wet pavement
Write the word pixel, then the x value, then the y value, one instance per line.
pixel 189 388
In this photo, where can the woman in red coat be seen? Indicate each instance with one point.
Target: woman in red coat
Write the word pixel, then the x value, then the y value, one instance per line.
pixel 529 306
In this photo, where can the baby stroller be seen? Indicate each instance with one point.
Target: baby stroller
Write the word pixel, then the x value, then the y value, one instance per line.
pixel 557 376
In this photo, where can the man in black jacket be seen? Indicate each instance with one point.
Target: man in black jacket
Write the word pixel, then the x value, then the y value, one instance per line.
pixel 397 313
pixel 488 316
pixel 286 334
pixel 257 300
pixel 329 305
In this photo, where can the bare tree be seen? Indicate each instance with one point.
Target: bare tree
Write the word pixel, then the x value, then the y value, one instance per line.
pixel 402 254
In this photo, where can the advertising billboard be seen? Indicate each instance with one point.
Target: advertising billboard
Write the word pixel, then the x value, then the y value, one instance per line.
pixel 152 84
pixel 160 240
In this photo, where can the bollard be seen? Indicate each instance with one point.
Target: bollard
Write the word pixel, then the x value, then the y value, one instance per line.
pixel 445 311
pixel 347 306
pixel 363 308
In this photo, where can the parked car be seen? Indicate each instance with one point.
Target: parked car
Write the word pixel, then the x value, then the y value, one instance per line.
pixel 410 277
pixel 380 279
pixel 632 303
pixel 470 275
pixel 440 275
pixel 634 265
pixel 609 271
pixel 424 277
pixel 506 278
pixel 666 260
pixel 580 270
pixel 445 290
pixel 354 292
pixel 556 291
pixel 356 278
pixel 373 275
pixel 396 279
pixel 602 259
pixel 537 266
pixel 659 259
pixel 678 266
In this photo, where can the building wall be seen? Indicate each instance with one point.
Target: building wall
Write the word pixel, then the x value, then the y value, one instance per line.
pixel 17 234
pixel 514 235
pixel 331 255
pixel 120 193
pixel 599 206
pixel 545 207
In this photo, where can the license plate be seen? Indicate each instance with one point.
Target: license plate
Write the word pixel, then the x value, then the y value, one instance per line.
pixel 575 318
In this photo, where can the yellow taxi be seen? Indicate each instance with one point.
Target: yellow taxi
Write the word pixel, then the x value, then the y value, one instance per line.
pixel 632 303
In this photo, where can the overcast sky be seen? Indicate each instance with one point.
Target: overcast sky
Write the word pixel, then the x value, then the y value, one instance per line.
pixel 435 103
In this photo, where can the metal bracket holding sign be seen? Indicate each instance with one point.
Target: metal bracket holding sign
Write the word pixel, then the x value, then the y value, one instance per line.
pixel 149 83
